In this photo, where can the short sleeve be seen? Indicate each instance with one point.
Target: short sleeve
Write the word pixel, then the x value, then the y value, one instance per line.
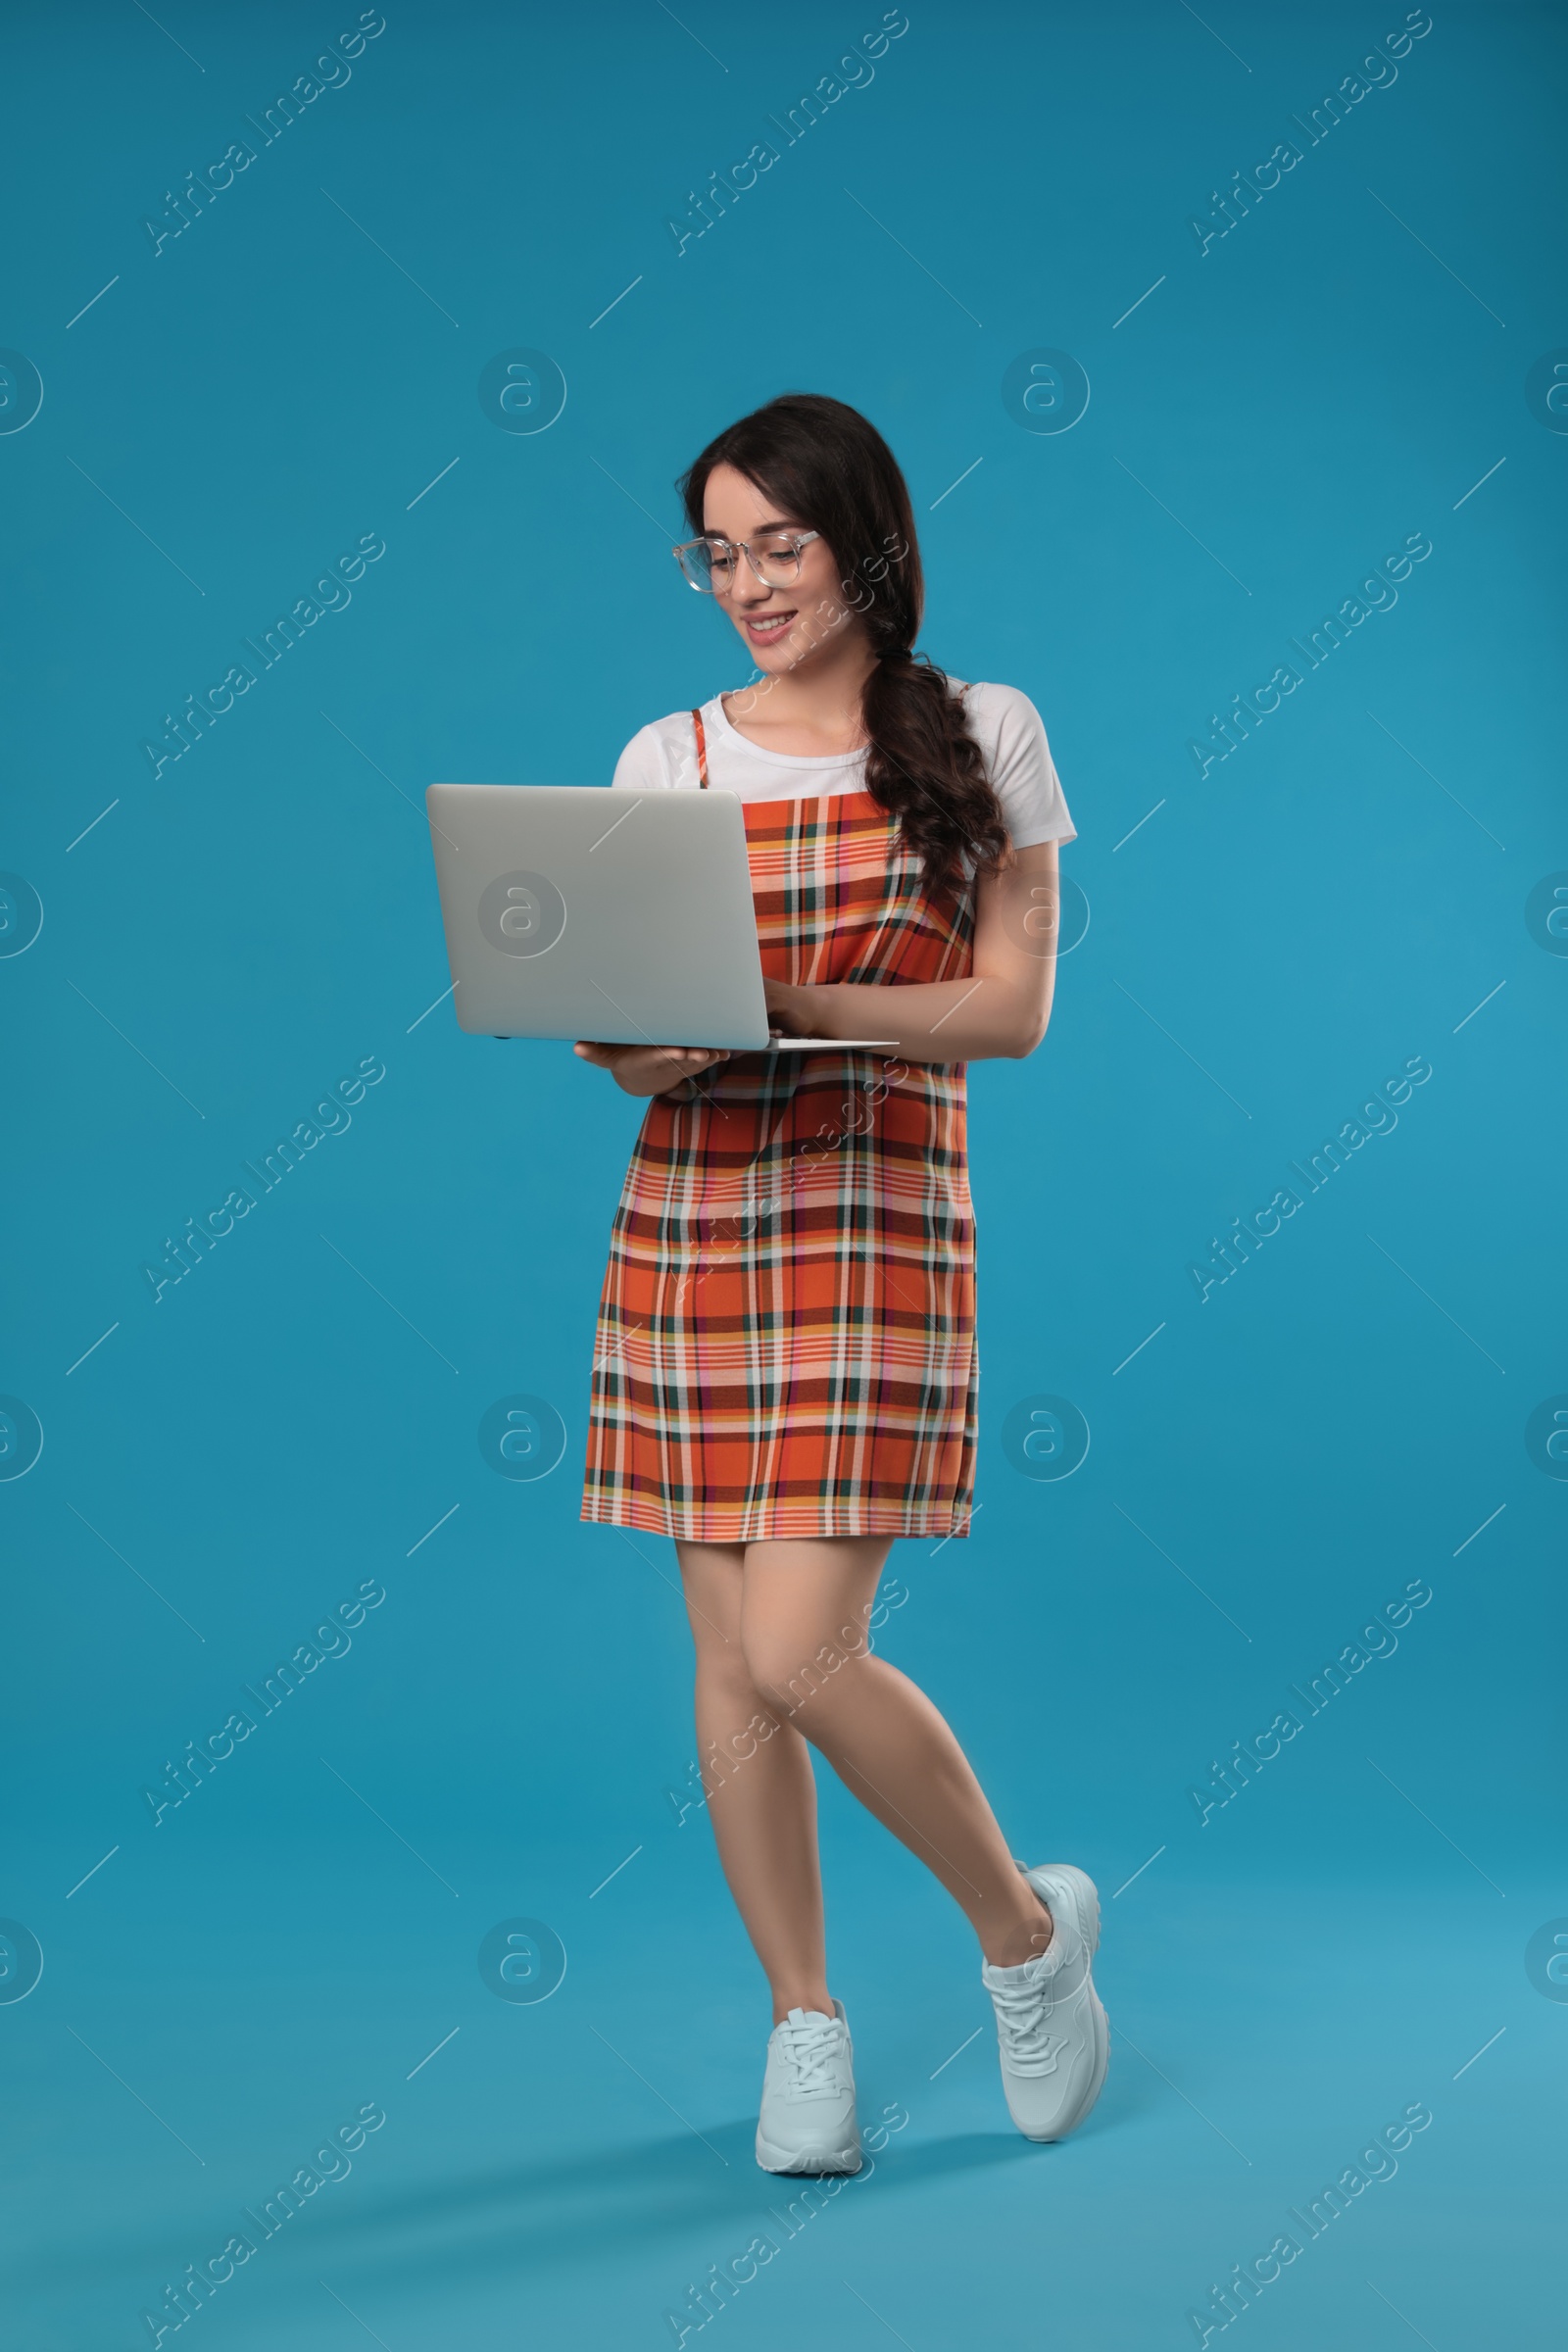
pixel 644 764
pixel 1012 735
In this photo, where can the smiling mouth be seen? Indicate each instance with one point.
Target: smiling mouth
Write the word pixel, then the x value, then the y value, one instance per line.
pixel 767 627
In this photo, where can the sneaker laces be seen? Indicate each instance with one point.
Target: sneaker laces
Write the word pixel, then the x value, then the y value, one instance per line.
pixel 807 2047
pixel 1023 2020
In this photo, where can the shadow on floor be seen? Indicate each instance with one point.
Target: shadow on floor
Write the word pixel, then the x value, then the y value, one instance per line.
pixel 535 2218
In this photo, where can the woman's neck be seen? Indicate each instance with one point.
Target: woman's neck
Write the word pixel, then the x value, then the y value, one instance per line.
pixel 812 709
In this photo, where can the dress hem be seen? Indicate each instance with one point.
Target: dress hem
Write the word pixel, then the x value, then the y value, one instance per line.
pixel 774 1524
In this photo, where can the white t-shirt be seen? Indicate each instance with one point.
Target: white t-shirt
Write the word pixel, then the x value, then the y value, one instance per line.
pixel 662 758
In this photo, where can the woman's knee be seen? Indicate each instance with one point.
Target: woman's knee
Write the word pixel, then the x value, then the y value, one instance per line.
pixel 793 1665
pixel 724 1682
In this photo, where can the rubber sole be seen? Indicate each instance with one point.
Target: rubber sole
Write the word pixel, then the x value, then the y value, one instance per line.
pixel 819 2160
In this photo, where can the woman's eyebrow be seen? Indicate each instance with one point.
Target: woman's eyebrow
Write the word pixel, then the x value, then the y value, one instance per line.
pixel 710 533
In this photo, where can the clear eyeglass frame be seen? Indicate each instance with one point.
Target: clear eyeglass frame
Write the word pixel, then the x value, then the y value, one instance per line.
pixel 774 559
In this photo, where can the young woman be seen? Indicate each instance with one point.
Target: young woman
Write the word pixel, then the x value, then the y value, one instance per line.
pixel 785 1374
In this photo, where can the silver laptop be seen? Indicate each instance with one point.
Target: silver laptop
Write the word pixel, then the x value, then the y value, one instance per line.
pixel 622 916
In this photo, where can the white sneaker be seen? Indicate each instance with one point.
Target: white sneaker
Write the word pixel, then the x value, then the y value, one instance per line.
pixel 1055 2035
pixel 808 2122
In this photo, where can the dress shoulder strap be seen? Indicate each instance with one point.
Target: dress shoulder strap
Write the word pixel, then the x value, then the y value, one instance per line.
pixel 702 750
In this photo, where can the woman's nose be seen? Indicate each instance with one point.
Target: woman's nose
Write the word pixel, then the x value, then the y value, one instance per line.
pixel 746 588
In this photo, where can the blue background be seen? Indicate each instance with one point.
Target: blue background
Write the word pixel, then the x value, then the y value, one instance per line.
pixel 1280 1460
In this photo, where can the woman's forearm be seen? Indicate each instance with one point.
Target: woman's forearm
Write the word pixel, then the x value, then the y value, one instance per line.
pixel 941 1020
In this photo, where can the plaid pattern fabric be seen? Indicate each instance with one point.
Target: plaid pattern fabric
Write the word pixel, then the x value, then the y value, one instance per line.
pixel 786 1335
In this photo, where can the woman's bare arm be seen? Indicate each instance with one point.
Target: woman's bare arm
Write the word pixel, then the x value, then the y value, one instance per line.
pixel 1000 1011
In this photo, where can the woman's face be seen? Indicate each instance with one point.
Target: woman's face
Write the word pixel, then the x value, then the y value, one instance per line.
pixel 781 626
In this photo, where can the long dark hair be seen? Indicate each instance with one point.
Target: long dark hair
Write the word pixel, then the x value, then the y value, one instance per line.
pixel 829 468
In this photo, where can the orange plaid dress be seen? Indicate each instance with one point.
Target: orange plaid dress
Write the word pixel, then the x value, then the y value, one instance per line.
pixel 786 1336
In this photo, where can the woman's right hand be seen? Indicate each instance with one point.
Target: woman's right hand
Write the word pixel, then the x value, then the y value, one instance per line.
pixel 651 1069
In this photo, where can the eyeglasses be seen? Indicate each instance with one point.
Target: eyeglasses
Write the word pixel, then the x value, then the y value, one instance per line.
pixel 711 565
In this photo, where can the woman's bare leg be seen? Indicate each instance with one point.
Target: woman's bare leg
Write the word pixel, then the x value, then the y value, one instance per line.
pixel 757 1773
pixel 803 1613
